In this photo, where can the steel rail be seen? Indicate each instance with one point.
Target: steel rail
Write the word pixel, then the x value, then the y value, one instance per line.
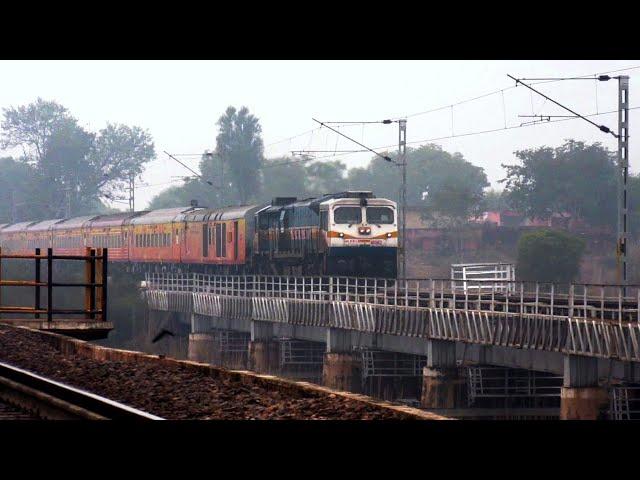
pixel 57 400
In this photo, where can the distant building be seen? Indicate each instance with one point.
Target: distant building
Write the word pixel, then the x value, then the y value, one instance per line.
pixel 509 218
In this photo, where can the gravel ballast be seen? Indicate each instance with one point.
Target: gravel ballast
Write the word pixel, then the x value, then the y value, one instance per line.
pixel 175 391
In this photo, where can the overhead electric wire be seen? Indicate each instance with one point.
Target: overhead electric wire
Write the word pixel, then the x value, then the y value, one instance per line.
pixel 500 91
pixel 600 127
pixel 507 88
pixel 291 138
pixel 190 169
pixel 158 184
pixel 385 157
pixel 481 132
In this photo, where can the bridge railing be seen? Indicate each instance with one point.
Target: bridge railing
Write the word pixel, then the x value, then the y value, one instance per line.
pixel 581 301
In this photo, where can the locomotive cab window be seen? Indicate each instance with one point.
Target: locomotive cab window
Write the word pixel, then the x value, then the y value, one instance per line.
pixel 379 215
pixel 349 215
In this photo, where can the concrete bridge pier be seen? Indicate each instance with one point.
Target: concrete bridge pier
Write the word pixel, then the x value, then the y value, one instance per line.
pixel 342 367
pixel 581 398
pixel 443 385
pixel 202 342
pixel 264 349
pixel 204 347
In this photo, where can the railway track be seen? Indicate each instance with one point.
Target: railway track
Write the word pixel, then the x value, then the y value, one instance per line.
pixel 24 394
pixel 9 412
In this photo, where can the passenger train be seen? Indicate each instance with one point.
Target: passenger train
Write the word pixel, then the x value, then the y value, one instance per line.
pixel 348 233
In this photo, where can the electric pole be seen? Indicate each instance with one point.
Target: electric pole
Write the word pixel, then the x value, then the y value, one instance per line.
pixel 221 181
pixel 132 193
pixel 623 164
pixel 623 160
pixel 68 202
pixel 402 150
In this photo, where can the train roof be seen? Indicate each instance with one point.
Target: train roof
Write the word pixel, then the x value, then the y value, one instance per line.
pixel 115 219
pixel 17 227
pixel 314 202
pixel 75 222
pixel 162 215
pixel 225 213
pixel 44 225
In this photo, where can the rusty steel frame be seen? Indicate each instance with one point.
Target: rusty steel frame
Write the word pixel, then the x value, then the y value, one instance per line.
pixel 380 363
pixel 95 293
pixel 624 402
pixel 502 382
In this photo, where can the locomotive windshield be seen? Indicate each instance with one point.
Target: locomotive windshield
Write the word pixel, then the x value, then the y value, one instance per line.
pixel 347 215
pixel 379 215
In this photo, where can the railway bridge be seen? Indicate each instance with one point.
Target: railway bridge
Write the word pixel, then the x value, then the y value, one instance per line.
pixel 586 335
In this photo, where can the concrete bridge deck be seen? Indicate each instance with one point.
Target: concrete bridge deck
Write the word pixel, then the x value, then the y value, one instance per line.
pixel 582 332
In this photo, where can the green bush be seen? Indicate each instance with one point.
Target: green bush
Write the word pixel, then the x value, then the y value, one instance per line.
pixel 549 256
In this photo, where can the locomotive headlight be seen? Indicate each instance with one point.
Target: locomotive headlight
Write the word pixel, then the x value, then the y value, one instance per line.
pixel 389 235
pixel 341 235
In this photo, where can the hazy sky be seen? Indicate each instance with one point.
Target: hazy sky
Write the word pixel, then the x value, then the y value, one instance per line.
pixel 179 103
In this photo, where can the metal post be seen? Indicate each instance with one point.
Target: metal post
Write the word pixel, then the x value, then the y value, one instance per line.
pixel 132 193
pixel 49 284
pixel 402 150
pixel 92 280
pixel 37 289
pixel 623 164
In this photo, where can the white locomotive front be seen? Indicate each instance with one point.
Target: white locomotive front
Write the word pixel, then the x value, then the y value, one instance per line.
pixel 361 232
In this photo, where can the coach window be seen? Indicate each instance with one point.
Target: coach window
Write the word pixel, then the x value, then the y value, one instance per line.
pixel 379 215
pixel 349 215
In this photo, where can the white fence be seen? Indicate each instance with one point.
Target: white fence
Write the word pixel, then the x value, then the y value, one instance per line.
pixel 479 277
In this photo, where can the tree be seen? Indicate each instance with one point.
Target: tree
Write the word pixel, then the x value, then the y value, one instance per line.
pixel 549 256
pixel 31 127
pixel 62 175
pixel 72 166
pixel 16 189
pixel 576 178
pixel 120 152
pixel 446 186
pixel 283 177
pixel 495 201
pixel 240 147
pixel 325 177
